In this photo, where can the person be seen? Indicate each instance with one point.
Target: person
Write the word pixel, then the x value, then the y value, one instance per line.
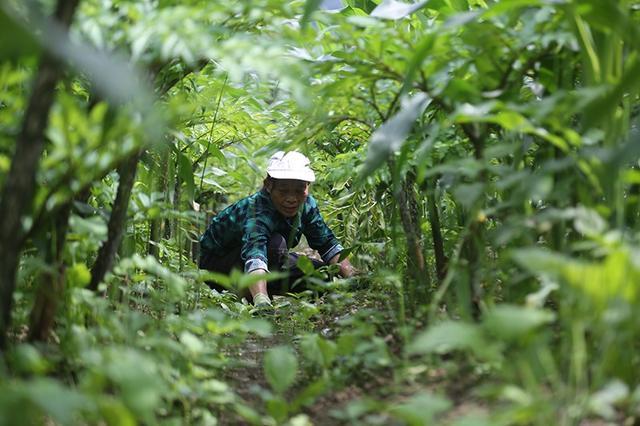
pixel 256 233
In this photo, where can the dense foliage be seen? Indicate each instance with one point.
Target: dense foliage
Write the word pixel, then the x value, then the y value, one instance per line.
pixel 478 158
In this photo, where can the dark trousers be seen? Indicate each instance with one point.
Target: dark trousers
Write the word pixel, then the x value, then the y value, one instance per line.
pixel 279 259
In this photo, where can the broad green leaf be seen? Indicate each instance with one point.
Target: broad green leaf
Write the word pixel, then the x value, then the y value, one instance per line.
pixel 611 17
pixel 247 280
pixel 26 359
pixel 260 327
pixel 502 7
pixel 540 261
pixel 191 342
pixel 21 43
pixel 603 402
pixel 421 409
pixel 390 137
pixel 629 85
pixel 216 277
pixel 614 277
pixel 280 368
pixel 136 376
pixel 92 226
pixel 423 49
pixel 51 398
pixel 468 194
pixel 589 222
pixel 512 322
pixel 278 409
pixel 114 412
pixel 461 19
pixel 305 265
pixel 185 171
pixel 311 392
pixel 446 337
pixel 78 275
pixel 318 350
pixel 473 419
pixel 393 9
pixel 175 284
pixel 310 6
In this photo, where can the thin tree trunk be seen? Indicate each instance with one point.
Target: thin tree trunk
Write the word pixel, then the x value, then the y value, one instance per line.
pixel 473 247
pixel 409 218
pixel 157 225
pixel 436 232
pixel 177 198
pixel 154 236
pixel 51 280
pixel 169 171
pixel 19 188
pixel 107 252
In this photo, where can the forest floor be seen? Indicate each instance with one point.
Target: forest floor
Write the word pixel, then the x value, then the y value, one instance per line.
pixel 370 381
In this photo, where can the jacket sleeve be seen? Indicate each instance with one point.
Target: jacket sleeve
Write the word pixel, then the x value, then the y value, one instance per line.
pixel 257 228
pixel 318 234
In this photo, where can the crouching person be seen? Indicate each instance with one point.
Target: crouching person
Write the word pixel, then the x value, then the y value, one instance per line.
pixel 256 233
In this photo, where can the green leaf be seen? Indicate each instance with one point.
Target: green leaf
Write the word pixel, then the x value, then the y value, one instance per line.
pixel 92 227
pixel 511 321
pixel 242 280
pixel 393 9
pixel 420 409
pixel 310 6
pixel 78 275
pixel 502 7
pixel 540 261
pixel 137 377
pixel 53 399
pixel 310 393
pixel 218 278
pixel 185 171
pixel 423 49
pixel 114 412
pixel 614 277
pixel 22 42
pixel 390 137
pixel 628 85
pixel 258 326
pixel 280 368
pixel 603 401
pixel 468 194
pixel 278 409
pixel 446 337
pixel 306 265
pixel 191 342
pixel 318 350
pixel 589 222
pixel 26 359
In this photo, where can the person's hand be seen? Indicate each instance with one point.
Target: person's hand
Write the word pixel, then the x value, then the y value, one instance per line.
pixel 347 270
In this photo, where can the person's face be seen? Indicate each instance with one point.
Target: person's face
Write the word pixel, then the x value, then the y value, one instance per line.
pixel 287 195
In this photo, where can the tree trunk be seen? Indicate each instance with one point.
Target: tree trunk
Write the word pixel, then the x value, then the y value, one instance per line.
pixel 436 232
pixel 19 188
pixel 154 236
pixel 157 225
pixel 107 252
pixel 167 231
pixel 177 200
pixel 473 247
pixel 409 217
pixel 51 280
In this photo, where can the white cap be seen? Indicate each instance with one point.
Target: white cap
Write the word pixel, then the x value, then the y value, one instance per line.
pixel 290 165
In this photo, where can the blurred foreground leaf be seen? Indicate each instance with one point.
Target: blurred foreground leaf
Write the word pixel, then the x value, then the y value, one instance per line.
pixel 280 368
